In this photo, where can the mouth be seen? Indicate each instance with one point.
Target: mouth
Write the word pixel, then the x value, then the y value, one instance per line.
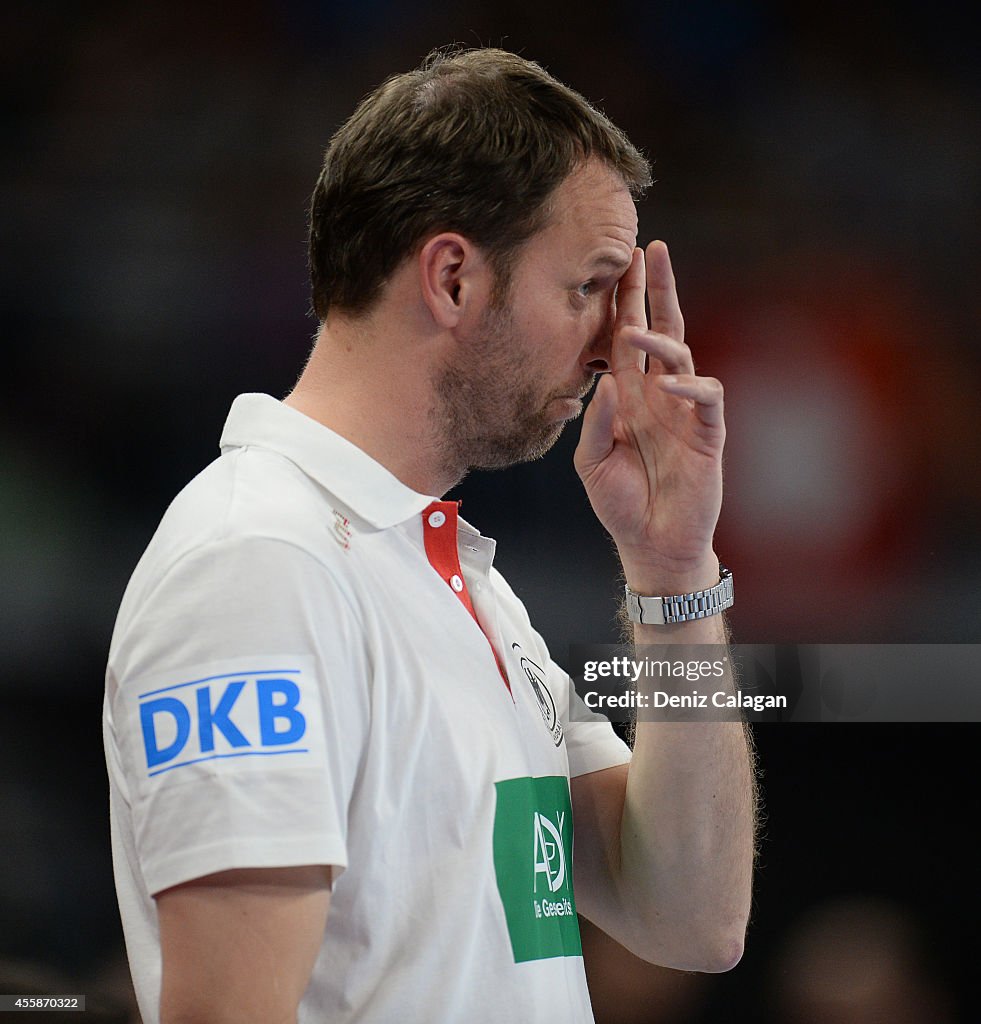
pixel 572 401
pixel 572 406
pixel 580 393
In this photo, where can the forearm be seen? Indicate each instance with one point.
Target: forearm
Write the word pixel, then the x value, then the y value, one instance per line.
pixel 673 867
pixel 688 823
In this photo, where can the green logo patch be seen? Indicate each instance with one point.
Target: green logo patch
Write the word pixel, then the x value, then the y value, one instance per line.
pixel 533 861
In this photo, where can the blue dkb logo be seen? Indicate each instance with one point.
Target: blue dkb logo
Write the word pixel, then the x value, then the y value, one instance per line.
pixel 198 722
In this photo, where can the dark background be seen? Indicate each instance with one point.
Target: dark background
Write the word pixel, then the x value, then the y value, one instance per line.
pixel 818 180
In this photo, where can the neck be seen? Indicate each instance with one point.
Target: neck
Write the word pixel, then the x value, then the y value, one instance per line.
pixel 381 402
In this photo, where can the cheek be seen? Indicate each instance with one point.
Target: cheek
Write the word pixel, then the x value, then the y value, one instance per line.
pixel 554 335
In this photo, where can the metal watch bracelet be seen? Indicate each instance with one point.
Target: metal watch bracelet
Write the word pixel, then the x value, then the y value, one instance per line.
pixel 700 604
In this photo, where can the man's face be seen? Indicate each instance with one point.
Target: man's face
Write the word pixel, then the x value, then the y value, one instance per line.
pixel 521 376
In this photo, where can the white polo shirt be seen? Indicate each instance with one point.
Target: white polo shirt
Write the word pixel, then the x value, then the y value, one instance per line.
pixel 314 664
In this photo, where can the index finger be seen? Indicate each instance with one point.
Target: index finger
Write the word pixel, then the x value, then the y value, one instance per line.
pixel 662 294
pixel 631 312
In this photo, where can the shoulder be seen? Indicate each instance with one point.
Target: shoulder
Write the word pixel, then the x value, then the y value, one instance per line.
pixel 248 498
pixel 248 493
pixel 251 531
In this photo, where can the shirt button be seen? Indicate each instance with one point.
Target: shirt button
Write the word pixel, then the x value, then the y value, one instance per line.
pixel 456 583
pixel 437 518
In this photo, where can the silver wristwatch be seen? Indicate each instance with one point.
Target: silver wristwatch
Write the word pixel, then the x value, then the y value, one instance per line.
pixel 660 611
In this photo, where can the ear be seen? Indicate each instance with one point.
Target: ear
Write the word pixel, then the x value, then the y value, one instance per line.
pixel 453 277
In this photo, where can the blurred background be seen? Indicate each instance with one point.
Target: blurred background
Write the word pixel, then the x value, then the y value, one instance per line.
pixel 818 175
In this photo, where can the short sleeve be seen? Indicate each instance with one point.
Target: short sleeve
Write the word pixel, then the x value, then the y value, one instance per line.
pixel 237 706
pixel 591 742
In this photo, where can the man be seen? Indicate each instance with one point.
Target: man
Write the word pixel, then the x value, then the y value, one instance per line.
pixel 340 756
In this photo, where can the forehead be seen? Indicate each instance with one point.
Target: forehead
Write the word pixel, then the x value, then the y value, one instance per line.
pixel 592 210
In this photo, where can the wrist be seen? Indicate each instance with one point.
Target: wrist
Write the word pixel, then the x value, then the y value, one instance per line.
pixel 646 575
pixel 670 609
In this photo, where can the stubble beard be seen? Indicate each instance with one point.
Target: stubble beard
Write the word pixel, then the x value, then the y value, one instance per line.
pixel 485 419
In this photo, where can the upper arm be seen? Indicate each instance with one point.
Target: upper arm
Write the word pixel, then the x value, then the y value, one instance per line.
pixel 597 810
pixel 239 945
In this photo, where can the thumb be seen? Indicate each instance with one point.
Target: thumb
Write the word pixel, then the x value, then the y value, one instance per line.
pixel 596 437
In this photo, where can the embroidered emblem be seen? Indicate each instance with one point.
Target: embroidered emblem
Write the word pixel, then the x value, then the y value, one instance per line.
pixel 535 675
pixel 342 530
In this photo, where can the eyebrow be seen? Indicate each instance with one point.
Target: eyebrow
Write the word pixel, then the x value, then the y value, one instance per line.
pixel 617 263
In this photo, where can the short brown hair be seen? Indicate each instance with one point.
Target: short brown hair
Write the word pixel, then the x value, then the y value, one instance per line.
pixel 473 141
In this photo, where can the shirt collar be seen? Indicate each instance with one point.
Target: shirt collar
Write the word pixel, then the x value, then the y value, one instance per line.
pixel 340 466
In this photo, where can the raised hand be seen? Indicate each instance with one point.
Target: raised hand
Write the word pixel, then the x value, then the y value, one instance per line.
pixel 650 453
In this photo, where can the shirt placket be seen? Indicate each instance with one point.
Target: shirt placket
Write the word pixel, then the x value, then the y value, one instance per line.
pixel 439 530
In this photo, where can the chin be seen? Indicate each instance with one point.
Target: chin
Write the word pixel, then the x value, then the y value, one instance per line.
pixel 525 447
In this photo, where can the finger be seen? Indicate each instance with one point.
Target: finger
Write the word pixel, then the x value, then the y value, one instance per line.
pixel 662 294
pixel 705 392
pixel 673 356
pixel 631 312
pixel 596 436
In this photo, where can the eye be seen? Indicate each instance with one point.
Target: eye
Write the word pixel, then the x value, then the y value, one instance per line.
pixel 586 289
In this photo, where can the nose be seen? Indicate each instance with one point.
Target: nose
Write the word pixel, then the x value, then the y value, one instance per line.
pixel 597 354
